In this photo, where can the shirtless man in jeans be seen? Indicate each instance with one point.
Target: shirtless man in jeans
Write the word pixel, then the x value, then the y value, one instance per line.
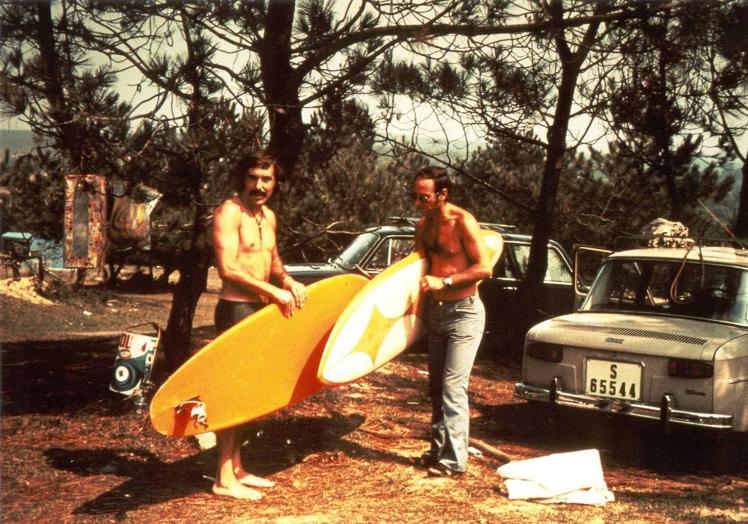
pixel 458 260
pixel 252 274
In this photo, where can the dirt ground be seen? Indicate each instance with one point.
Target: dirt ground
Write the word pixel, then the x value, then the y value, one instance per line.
pixel 72 451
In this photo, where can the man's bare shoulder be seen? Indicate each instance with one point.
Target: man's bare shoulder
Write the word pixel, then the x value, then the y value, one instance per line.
pixel 269 214
pixel 228 209
pixel 464 218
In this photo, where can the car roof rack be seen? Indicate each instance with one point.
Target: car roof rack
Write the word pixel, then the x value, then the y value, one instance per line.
pixel 412 221
pixel 501 228
pixel 630 241
pixel 402 221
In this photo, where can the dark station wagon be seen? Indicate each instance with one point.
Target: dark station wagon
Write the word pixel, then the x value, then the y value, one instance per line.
pixel 378 247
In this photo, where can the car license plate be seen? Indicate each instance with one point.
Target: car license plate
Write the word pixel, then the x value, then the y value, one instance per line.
pixel 606 378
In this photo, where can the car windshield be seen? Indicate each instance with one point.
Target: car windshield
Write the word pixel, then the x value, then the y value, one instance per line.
pixel 355 251
pixel 670 287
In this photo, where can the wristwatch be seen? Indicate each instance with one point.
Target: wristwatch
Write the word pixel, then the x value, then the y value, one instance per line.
pixel 448 282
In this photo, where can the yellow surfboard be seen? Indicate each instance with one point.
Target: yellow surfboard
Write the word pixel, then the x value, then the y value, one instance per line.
pixel 260 365
pixel 382 320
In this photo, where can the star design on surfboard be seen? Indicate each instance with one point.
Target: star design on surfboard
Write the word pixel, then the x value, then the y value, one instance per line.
pixel 377 329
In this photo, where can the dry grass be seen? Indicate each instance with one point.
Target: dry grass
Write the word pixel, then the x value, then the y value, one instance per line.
pixel 73 452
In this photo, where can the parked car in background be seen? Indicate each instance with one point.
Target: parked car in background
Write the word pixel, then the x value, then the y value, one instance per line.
pixel 27 254
pixel 369 253
pixel 662 334
pixel 378 247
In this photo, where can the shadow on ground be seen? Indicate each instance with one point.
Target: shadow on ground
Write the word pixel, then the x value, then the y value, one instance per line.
pixel 623 441
pixel 56 377
pixel 151 481
pixel 72 377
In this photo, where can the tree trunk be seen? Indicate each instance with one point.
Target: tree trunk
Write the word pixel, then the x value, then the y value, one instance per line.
pixel 54 86
pixel 193 279
pixel 193 265
pixel 546 207
pixel 741 223
pixel 282 85
pixel 663 137
pixel 532 284
pixel 193 271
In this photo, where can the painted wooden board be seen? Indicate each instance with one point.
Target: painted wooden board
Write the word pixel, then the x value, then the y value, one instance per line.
pixel 382 320
pixel 260 365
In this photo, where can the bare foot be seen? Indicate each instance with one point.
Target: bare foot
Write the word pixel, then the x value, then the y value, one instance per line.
pixel 237 491
pixel 256 482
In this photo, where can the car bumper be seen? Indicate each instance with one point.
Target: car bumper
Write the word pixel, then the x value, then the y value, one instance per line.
pixel 665 412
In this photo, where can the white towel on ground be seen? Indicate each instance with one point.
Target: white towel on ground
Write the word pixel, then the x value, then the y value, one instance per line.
pixel 575 477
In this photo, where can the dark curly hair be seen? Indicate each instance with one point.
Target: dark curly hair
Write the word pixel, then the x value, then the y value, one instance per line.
pixel 438 174
pixel 261 159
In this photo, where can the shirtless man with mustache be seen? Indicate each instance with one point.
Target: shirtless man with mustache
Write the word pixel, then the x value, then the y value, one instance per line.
pixel 252 274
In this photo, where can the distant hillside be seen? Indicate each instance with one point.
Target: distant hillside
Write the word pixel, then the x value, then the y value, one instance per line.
pixel 17 140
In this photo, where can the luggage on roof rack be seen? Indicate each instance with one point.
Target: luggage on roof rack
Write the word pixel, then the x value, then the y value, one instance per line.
pixel 630 241
pixel 664 233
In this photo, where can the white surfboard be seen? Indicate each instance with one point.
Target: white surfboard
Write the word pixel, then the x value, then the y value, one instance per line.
pixel 382 320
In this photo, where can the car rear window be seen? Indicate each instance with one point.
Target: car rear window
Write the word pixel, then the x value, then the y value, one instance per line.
pixel 672 287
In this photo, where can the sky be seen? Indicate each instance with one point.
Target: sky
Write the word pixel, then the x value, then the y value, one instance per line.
pixel 432 127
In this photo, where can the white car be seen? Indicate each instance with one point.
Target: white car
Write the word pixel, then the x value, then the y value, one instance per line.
pixel 662 334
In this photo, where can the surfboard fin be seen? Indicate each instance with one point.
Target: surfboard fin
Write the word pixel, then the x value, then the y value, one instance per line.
pixel 198 412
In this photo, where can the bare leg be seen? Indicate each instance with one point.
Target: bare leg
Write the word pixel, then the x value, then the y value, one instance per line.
pixel 227 484
pixel 243 475
pixel 252 480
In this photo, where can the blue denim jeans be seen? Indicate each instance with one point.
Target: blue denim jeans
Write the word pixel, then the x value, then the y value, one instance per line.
pixel 455 330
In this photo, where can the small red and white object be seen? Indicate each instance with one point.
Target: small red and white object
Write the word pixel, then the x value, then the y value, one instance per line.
pixel 134 361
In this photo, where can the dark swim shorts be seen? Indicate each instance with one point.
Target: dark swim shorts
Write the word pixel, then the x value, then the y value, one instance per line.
pixel 229 313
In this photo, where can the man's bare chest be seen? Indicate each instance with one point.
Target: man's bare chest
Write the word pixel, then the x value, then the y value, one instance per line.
pixel 441 240
pixel 255 234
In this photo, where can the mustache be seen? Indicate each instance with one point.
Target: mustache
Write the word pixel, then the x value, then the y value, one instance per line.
pixel 258 192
